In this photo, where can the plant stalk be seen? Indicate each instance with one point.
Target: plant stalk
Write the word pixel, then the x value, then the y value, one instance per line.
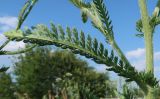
pixel 119 51
pixel 96 20
pixel 148 37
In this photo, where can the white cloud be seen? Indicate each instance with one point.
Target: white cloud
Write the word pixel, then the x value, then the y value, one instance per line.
pixel 157 68
pixel 139 52
pixel 4 28
pixel 13 46
pixel 139 64
pixel 2 38
pixel 101 68
pixel 137 58
pixel 7 23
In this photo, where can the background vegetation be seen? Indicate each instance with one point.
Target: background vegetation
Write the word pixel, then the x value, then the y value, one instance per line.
pixel 40 70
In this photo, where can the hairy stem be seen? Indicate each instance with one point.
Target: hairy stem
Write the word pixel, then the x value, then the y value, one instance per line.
pixel 20 51
pixel 148 43
pixel 119 51
pixel 147 36
pixel 95 19
pixel 150 94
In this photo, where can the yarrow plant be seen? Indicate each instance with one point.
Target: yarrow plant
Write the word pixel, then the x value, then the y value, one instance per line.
pixel 82 44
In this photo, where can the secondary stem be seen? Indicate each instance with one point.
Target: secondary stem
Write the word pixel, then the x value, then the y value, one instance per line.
pixel 96 20
pixel 119 52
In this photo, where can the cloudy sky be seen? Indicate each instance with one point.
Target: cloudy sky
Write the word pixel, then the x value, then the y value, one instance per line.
pixel 124 14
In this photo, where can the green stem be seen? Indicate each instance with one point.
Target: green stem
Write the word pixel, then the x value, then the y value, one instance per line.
pixel 119 51
pixel 150 94
pixel 20 51
pixel 147 36
pixel 95 19
pixel 148 43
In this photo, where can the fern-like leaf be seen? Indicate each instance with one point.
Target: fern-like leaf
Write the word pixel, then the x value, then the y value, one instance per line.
pixel 104 15
pixel 154 21
pixel 89 48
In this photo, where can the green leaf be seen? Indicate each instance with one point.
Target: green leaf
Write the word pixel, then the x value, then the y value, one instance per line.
pixel 54 30
pixel 69 34
pixel 61 32
pixel 101 49
pixel 75 38
pixel 89 43
pixel 95 46
pixel 82 39
pixel 103 13
pixel 84 17
pixel 43 36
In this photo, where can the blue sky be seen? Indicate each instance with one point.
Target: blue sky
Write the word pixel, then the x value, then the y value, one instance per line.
pixel 124 14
